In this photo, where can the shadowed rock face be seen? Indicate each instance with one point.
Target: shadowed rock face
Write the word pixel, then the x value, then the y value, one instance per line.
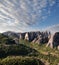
pixel 37 37
pixel 30 36
pixel 54 40
pixel 43 37
pixel 21 35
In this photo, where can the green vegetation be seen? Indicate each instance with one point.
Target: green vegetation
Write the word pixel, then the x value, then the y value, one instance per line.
pixel 6 40
pixel 17 60
pixel 45 53
pixel 20 49
pixel 26 53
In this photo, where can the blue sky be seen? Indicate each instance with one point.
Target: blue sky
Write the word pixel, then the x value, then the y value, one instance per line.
pixel 29 15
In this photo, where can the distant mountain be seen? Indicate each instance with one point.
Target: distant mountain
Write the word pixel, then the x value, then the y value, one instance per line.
pixel 11 34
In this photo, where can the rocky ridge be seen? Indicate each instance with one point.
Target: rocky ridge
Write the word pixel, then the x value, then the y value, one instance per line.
pixel 51 40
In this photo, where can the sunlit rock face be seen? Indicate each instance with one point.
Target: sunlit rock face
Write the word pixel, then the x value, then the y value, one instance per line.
pixel 27 36
pixel 54 40
pixel 50 42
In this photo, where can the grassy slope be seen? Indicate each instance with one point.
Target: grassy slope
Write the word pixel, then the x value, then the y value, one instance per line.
pixel 47 55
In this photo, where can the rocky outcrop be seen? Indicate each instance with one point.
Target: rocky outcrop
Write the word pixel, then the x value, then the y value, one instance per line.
pixel 16 40
pixel 43 37
pixel 38 39
pixel 50 42
pixel 54 40
pixel 35 37
pixel 21 35
pixel 27 36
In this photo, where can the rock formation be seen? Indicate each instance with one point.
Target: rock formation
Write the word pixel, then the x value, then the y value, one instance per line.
pixel 27 36
pixel 50 42
pixel 21 35
pixel 16 40
pixel 43 37
pixel 39 39
pixel 35 37
pixel 54 40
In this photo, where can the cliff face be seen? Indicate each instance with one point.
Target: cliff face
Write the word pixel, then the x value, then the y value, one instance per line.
pixel 52 40
pixel 37 37
pixel 29 35
pixel 56 39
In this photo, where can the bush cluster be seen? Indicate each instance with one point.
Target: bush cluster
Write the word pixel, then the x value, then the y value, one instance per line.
pixel 20 49
pixel 20 61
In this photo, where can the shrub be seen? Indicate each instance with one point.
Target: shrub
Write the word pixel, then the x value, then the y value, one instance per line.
pixel 21 61
pixel 8 50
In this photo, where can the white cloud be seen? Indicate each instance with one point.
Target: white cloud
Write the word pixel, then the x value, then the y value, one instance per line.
pixel 24 13
pixel 52 2
pixel 53 28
